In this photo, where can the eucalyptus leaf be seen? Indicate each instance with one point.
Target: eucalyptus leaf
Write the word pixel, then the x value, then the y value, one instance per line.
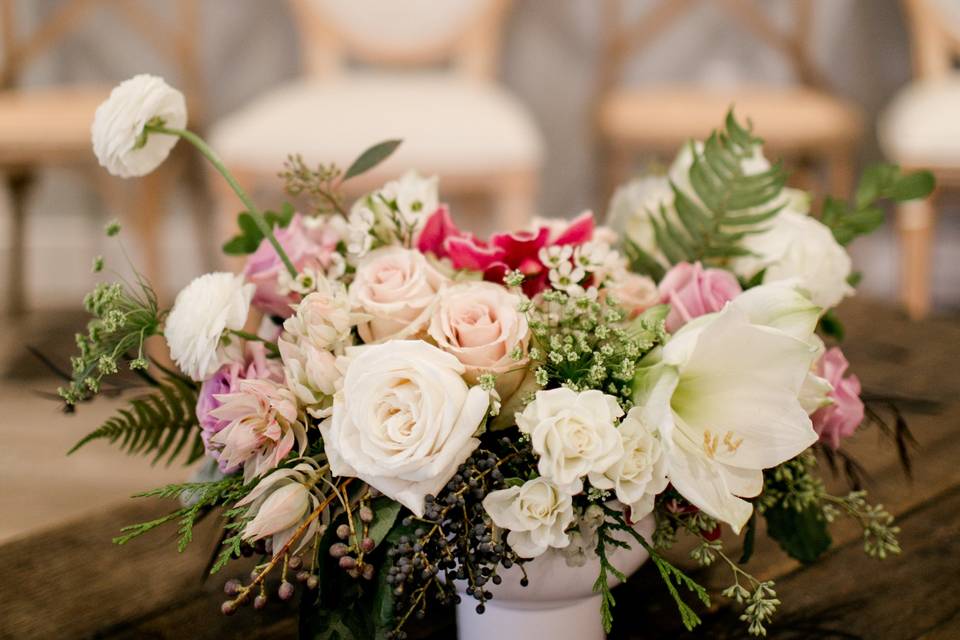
pixel 371 158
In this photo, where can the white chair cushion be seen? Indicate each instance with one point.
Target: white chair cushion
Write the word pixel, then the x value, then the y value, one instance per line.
pixel 450 126
pixel 920 126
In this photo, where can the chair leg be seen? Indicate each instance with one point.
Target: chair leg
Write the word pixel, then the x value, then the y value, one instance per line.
pixel 616 162
pixel 19 186
pixel 915 222
pixel 840 172
pixel 515 200
pixel 152 195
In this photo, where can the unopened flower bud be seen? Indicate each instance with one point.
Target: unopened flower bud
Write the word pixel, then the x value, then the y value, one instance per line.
pixel 348 562
pixel 338 550
pixel 312 582
pixel 295 562
pixel 231 587
pixel 366 514
pixel 285 591
pixel 302 576
pixel 228 608
pixel 343 531
pixel 367 545
pixel 260 602
pixel 368 571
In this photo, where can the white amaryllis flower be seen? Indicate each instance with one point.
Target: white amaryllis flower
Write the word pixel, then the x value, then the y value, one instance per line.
pixel 278 505
pixel 537 515
pixel 573 433
pixel 641 473
pixel 798 247
pixel 212 304
pixel 724 395
pixel 403 420
pixel 119 140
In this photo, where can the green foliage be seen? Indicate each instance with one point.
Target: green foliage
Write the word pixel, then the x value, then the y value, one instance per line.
pixel 831 326
pixel 385 511
pixel 162 423
pixel 879 183
pixel 371 157
pixel 726 203
pixel 250 235
pixel 200 498
pixel 802 534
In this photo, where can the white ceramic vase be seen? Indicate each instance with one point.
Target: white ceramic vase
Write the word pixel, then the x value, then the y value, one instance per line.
pixel 559 603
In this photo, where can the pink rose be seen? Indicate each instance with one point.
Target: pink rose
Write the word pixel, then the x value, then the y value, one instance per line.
pixel 504 252
pixel 841 418
pixel 634 292
pixel 479 324
pixel 693 291
pixel 309 243
pixel 396 288
pixel 254 366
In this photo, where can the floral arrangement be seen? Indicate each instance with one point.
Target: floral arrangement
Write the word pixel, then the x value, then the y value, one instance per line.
pixel 395 411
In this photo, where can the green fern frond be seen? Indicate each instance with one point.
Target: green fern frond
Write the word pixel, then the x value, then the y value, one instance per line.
pixel 162 423
pixel 725 205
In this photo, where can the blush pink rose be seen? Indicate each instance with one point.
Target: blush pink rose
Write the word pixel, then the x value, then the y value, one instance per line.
pixel 841 418
pixel 503 252
pixel 635 293
pixel 693 291
pixel 309 245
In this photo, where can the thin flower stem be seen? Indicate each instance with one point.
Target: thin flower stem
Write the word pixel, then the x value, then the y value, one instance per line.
pixel 214 159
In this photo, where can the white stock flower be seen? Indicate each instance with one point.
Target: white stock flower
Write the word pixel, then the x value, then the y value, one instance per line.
pixel 796 246
pixel 397 289
pixel 207 307
pixel 278 505
pixel 536 514
pixel 573 433
pixel 119 141
pixel 724 395
pixel 641 473
pixel 403 420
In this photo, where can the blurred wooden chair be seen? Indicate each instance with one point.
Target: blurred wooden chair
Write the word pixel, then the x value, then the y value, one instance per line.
pixel 804 123
pixel 48 126
pixel 456 122
pixel 920 129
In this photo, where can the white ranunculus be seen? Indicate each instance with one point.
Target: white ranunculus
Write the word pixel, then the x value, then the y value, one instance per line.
pixel 479 323
pixel 641 473
pixel 206 308
pixel 573 433
pixel 397 289
pixel 631 206
pixel 117 132
pixel 537 515
pixel 724 395
pixel 403 420
pixel 796 246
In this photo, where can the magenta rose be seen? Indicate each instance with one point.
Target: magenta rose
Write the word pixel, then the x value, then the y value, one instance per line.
pixel 844 414
pixel 255 365
pixel 309 244
pixel 503 252
pixel 693 291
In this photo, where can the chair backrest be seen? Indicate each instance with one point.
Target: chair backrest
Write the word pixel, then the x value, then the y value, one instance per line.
pixel 174 36
pixel 622 39
pixel 934 41
pixel 394 33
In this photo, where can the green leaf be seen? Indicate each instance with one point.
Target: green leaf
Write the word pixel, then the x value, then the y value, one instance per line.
pixel 250 236
pixel 831 326
pixel 385 513
pixel 802 534
pixel 912 186
pixel 748 539
pixel 371 158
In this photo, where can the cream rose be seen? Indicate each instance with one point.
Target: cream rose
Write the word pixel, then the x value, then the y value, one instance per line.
pixel 403 420
pixel 479 324
pixel 397 288
pixel 634 292
pixel 574 434
pixel 537 515
pixel 641 473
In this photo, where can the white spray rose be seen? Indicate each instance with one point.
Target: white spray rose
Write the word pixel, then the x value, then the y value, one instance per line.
pixel 397 288
pixel 537 515
pixel 206 308
pixel 799 247
pixel 404 419
pixel 638 476
pixel 117 132
pixel 574 434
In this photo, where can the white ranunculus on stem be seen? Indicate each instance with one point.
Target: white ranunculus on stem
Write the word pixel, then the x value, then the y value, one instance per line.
pixel 203 313
pixel 403 419
pixel 119 140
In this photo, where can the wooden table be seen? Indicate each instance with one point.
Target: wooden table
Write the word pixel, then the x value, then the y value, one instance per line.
pixel 70 582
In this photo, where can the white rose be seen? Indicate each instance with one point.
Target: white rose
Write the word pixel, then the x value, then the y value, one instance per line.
pixel 117 132
pixel 206 308
pixel 323 318
pixel 641 473
pixel 479 324
pixel 574 434
pixel 635 293
pixel 311 374
pixel 799 247
pixel 537 515
pixel 631 206
pixel 397 288
pixel 404 419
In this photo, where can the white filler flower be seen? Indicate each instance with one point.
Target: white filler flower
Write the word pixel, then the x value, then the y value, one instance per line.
pixel 203 311
pixel 537 514
pixel 404 419
pixel 119 140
